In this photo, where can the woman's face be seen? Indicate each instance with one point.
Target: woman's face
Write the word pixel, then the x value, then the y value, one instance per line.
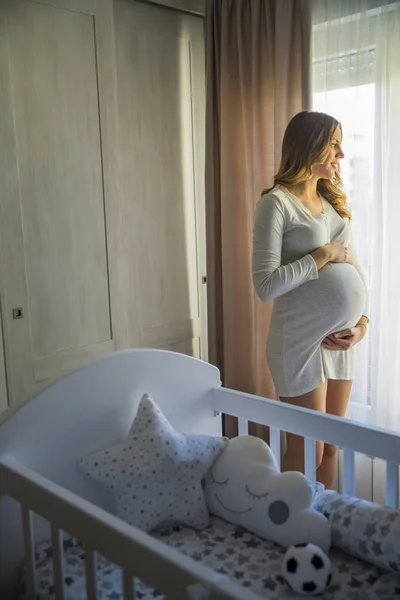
pixel 330 166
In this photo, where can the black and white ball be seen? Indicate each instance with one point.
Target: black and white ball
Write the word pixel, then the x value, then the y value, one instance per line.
pixel 307 569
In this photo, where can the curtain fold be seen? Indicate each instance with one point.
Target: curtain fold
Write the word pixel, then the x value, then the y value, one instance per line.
pixel 258 77
pixel 385 376
pixel 356 77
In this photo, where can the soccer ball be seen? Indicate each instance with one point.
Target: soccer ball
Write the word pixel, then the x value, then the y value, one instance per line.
pixel 307 569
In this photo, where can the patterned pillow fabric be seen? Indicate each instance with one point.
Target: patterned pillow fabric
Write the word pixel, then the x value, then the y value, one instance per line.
pixel 364 529
pixel 156 473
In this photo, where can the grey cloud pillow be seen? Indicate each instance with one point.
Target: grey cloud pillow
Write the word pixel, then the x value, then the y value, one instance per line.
pixel 156 473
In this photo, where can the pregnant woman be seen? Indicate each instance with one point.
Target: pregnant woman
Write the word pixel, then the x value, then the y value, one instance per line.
pixel 304 260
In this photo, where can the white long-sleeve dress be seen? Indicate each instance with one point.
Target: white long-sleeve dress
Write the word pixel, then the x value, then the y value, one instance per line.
pixel 309 304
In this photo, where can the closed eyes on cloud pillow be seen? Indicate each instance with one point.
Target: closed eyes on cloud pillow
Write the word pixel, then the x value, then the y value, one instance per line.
pixel 244 487
pixel 156 473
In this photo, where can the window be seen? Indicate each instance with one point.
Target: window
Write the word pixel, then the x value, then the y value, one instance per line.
pixel 354 107
pixel 356 77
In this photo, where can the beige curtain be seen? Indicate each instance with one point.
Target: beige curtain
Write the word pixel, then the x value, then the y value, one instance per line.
pixel 258 68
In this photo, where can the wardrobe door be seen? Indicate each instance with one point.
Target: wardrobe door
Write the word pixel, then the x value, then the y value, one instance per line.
pixel 3 378
pixel 161 95
pixel 60 216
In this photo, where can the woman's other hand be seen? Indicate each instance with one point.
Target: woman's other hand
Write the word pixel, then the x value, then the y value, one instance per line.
pixel 338 252
pixel 344 340
pixel 335 252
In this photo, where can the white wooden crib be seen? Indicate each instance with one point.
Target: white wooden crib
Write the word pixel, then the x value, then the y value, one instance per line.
pixel 42 492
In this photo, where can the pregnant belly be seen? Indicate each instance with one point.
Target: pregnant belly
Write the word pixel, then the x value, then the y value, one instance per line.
pixel 341 289
pixel 331 303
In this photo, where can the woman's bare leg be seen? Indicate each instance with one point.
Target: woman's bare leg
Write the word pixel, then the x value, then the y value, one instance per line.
pixel 293 460
pixel 337 399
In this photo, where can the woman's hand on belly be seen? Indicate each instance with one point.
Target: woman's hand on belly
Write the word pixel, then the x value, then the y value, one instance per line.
pixel 344 340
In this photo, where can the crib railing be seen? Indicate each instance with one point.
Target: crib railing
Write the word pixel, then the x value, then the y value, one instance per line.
pixel 350 436
pixel 144 558
pixel 139 555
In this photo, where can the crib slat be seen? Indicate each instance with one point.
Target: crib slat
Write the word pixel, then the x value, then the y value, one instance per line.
pixel 29 547
pixel 58 554
pixel 310 459
pixel 243 426
pixel 392 484
pixel 275 443
pixel 129 586
pixel 349 473
pixel 91 579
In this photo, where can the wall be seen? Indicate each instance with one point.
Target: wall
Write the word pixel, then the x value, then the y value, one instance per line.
pixel 192 6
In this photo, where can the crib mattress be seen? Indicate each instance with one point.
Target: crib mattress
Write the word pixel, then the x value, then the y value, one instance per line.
pixel 251 561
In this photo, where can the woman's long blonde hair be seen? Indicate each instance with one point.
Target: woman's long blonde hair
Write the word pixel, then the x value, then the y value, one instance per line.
pixel 306 142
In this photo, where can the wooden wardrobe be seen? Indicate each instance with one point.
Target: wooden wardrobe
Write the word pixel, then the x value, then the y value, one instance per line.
pixel 102 225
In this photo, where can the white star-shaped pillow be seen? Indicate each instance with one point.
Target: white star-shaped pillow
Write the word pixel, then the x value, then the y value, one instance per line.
pixel 156 473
